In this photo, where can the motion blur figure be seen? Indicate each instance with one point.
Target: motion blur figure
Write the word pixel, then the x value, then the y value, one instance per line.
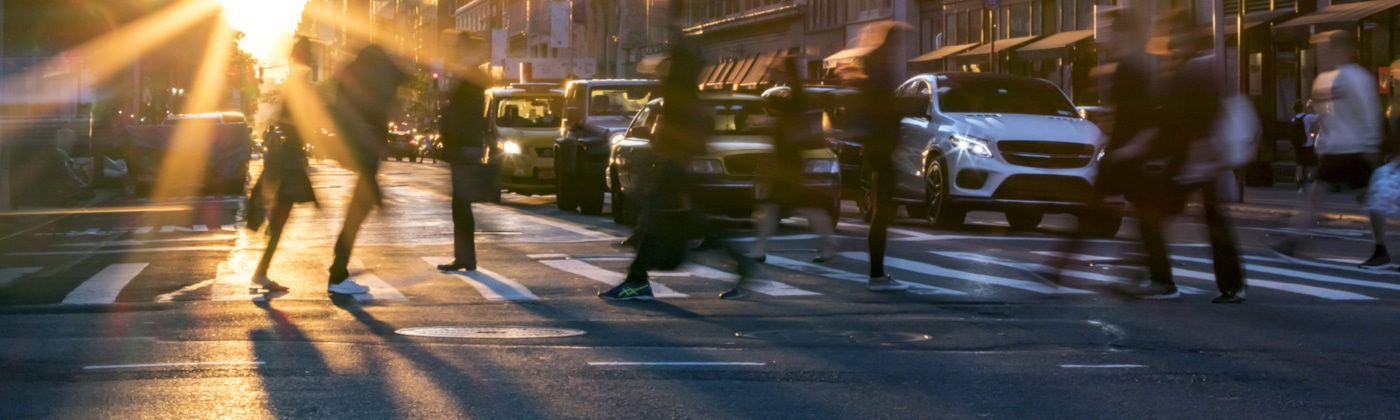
pixel 1348 139
pixel 785 188
pixel 463 133
pixel 364 90
pixel 1301 134
pixel 878 109
pixel 284 181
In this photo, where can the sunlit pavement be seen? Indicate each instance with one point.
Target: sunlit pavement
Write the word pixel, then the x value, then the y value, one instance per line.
pixel 147 315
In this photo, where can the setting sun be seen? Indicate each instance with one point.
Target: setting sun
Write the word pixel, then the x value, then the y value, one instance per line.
pixel 267 25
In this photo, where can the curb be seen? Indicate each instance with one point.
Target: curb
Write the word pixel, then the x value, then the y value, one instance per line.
pixel 26 225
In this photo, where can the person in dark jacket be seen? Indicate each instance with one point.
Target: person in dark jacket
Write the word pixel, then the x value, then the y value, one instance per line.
pixel 463 129
pixel 1301 134
pixel 881 113
pixel 363 93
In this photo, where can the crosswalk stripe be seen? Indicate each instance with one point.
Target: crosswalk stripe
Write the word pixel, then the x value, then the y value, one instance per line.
pixel 1320 292
pixel 607 277
pixel 378 289
pixel 934 270
pixel 1303 274
pixel 767 287
pixel 103 287
pixel 1345 264
pixel 8 275
pixel 491 285
pixel 1033 267
pixel 817 270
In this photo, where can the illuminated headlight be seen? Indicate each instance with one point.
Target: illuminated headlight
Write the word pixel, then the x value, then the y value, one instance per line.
pixel 820 166
pixel 617 137
pixel 706 166
pixel 1101 153
pixel 511 148
pixel 971 145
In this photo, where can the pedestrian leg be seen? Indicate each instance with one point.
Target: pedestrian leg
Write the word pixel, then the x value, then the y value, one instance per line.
pixel 1151 223
pixel 1380 257
pixel 360 205
pixel 821 223
pixel 884 209
pixel 1225 252
pixel 765 225
pixel 278 220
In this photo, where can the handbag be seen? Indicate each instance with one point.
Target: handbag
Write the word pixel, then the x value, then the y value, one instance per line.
pixel 476 182
pixel 1383 196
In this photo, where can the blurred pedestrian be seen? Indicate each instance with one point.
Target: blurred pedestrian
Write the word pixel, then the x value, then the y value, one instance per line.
pixel 1348 139
pixel 668 216
pixel 784 187
pixel 1180 160
pixel 284 180
pixel 463 129
pixel 58 169
pixel 879 111
pixel 1301 136
pixel 363 92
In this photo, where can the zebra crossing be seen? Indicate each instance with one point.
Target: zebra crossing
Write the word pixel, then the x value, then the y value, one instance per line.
pixel 944 275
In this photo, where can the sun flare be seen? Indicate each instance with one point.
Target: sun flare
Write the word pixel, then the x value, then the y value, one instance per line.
pixel 266 24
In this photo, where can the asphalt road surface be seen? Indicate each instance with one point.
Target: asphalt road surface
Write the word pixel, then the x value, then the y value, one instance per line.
pixel 146 314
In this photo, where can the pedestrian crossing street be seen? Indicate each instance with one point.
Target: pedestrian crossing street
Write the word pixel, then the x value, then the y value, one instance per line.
pixel 508 275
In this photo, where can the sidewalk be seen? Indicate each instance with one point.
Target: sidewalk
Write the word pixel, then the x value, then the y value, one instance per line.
pixel 24 219
pixel 1284 201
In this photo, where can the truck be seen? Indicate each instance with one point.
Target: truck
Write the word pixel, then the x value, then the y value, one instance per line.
pixel 596 115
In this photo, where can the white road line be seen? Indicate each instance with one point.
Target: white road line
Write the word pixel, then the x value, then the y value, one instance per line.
pixel 1033 267
pixel 817 270
pixel 933 270
pixel 1330 294
pixel 185 364
pixel 378 289
pixel 1303 275
pixel 130 250
pixel 767 287
pixel 104 286
pixel 170 297
pixel 1102 366
pixel 153 241
pixel 530 218
pixel 607 277
pixel 8 275
pixel 547 256
pixel 1346 264
pixel 492 286
pixel 677 364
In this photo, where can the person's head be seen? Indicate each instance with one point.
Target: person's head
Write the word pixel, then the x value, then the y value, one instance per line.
pixel 1125 36
pixel 1297 106
pixel 465 48
pixel 599 104
pixel 301 51
pixel 883 39
pixel 1175 35
pixel 1334 48
pixel 512 111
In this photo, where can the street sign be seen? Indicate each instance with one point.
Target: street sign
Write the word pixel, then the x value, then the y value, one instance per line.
pixel 991 4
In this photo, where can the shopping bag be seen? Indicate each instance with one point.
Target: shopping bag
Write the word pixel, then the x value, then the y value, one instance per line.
pixel 1383 196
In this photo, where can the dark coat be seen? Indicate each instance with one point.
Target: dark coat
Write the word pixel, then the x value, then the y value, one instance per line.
pixel 463 124
pixel 363 92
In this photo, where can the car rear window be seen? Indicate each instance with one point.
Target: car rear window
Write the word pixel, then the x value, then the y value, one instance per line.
pixel 740 118
pixel 1003 96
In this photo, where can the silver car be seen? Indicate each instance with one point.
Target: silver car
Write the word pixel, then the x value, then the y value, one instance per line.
pixel 979 141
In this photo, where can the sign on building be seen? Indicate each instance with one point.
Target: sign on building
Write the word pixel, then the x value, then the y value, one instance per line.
pixel 550 68
pixel 559 24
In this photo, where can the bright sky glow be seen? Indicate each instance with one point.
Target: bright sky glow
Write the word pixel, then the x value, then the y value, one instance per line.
pixel 268 25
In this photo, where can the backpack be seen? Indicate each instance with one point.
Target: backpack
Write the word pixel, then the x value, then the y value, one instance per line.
pixel 1298 131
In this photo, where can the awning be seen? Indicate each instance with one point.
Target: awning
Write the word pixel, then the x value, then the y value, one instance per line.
pixel 1258 18
pixel 706 72
pixel 942 53
pixel 651 64
pixel 1001 45
pixel 1349 13
pixel 721 70
pixel 846 56
pixel 1053 46
pixel 762 68
pixel 745 66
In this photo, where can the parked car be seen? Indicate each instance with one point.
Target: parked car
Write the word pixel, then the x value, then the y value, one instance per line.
pixel 980 141
pixel 401 144
pixel 523 122
pixel 832 102
pixel 741 146
pixel 215 161
pixel 595 113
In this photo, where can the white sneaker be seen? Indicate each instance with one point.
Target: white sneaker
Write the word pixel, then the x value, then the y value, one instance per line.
pixel 347 287
pixel 885 284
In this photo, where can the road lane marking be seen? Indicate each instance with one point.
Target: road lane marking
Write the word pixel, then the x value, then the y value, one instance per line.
pixel 764 286
pixel 507 213
pixel 212 238
pixel 1035 268
pixel 934 270
pixel 1347 264
pixel 378 289
pixel 104 286
pixel 1324 293
pixel 1102 366
pixel 1303 275
pixel 8 275
pixel 170 297
pixel 608 277
pixel 491 285
pixel 184 364
pixel 129 250
pixel 677 364
pixel 817 270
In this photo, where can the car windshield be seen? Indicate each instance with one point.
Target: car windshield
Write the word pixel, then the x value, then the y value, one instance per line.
pixel 537 112
pixel 740 118
pixel 623 101
pixel 1003 96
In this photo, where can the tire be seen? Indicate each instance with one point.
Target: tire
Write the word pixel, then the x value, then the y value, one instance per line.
pixel 565 193
pixel 941 211
pixel 917 211
pixel 590 192
pixel 1105 226
pixel 1024 220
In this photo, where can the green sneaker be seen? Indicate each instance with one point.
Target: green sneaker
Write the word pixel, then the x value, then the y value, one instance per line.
pixel 628 291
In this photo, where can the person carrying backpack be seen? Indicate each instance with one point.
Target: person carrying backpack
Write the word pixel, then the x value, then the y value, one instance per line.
pixel 1301 135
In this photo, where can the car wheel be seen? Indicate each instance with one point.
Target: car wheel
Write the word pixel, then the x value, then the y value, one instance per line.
pixel 1101 226
pixel 590 192
pixel 1024 220
pixel 941 211
pixel 917 211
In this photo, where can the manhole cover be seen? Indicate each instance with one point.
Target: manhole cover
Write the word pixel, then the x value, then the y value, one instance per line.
pixel 834 336
pixel 489 332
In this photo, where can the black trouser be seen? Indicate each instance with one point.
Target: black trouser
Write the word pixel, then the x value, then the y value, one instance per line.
pixel 1225 253
pixel 882 210
pixel 463 222
pixel 365 197
pixel 672 182
pixel 276 221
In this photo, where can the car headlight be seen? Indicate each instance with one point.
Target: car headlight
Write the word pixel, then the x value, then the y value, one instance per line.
pixel 820 166
pixel 706 166
pixel 971 145
pixel 617 137
pixel 511 148
pixel 1101 153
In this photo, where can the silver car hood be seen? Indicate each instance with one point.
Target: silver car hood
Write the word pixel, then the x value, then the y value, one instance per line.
pixel 1027 127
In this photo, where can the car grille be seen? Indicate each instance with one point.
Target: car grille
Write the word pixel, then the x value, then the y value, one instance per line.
pixel 1045 188
pixel 544 152
pixel 747 164
pixel 1046 154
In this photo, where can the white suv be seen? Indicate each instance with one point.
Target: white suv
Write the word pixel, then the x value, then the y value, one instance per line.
pixel 979 141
